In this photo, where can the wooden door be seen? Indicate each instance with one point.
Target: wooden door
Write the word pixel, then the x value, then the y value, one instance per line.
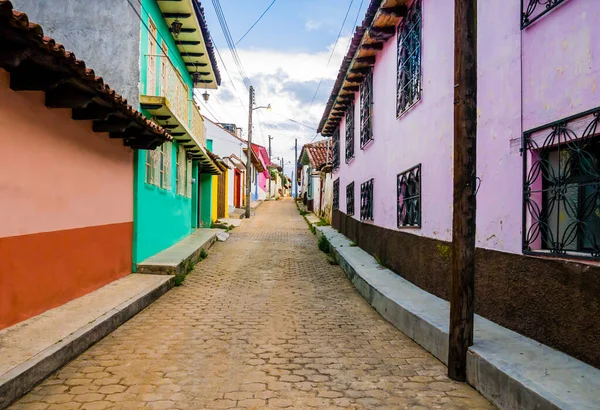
pixel 221 187
pixel 236 188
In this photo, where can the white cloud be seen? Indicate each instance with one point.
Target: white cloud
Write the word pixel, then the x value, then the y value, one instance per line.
pixel 284 79
pixel 312 25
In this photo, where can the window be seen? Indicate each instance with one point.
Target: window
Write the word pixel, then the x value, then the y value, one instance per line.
pixel 165 165
pixel 152 52
pixel 409 198
pixel 180 179
pixel 336 194
pixel 158 166
pixel 350 199
pixel 335 148
pixel 531 10
pixel 409 60
pixel 561 189
pixel 366 200
pixel 366 110
pixel 188 179
pixel 350 133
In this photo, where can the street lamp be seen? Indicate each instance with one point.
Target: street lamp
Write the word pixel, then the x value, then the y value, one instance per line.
pixel 249 160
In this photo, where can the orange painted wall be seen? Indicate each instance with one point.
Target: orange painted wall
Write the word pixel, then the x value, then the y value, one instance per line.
pixel 44 270
pixel 66 206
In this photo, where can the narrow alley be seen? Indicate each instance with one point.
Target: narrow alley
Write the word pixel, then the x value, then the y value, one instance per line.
pixel 264 321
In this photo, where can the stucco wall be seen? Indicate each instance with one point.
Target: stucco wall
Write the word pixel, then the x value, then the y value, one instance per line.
pixel 103 33
pixel 422 135
pixel 66 210
pixel 560 76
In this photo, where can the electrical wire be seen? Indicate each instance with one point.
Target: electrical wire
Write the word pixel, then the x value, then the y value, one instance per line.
pixel 255 23
pixel 331 54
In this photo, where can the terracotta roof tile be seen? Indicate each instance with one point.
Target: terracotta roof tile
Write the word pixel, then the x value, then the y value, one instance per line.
pixel 319 153
pixel 207 39
pixel 33 35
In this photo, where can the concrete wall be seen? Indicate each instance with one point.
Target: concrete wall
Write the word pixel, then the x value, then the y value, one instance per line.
pixel 103 33
pixel 67 206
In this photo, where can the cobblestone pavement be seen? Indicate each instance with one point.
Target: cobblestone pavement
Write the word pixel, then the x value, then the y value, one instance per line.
pixel 264 322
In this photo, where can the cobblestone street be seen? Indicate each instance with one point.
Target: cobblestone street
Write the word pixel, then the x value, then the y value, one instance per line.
pixel 264 322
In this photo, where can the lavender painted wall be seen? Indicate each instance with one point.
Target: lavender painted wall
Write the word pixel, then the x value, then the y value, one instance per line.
pixel 560 73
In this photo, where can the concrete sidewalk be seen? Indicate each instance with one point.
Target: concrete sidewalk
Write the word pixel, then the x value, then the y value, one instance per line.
pixel 185 253
pixel 35 348
pixel 511 370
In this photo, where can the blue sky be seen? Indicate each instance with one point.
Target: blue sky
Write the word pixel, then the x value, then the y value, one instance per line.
pixel 285 56
pixel 296 25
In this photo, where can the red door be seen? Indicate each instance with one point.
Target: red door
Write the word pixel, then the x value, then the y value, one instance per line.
pixel 236 188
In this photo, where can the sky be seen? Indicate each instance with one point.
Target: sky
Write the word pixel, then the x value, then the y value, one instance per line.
pixel 285 56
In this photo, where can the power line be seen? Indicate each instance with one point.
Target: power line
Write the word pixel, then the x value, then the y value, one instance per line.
pixel 331 54
pixel 230 43
pixel 255 23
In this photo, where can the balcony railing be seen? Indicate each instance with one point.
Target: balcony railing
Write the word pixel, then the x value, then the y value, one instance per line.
pixel 164 80
pixel 197 125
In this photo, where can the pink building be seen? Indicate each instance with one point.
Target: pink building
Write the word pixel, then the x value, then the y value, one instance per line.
pixel 262 176
pixel 390 115
pixel 66 173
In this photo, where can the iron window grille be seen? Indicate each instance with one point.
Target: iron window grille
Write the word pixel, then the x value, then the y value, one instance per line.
pixel 336 194
pixel 409 198
pixel 366 200
pixel 350 133
pixel 350 199
pixel 366 110
pixel 408 87
pixel 335 149
pixel 531 10
pixel 561 187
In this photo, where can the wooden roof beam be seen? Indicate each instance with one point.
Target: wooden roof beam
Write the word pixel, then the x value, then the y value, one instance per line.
pixel 373 46
pixel 353 88
pixel 370 60
pixel 397 11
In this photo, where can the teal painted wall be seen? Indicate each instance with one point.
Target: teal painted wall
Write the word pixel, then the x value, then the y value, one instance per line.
pixel 195 195
pixel 205 200
pixel 161 217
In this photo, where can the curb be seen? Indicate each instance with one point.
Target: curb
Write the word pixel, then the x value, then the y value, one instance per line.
pixel 510 370
pixel 21 379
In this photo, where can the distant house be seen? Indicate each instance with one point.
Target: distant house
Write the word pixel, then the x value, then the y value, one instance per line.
pixel 314 174
pixel 230 148
pixel 69 145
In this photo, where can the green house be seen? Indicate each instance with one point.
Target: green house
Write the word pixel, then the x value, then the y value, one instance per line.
pixel 173 183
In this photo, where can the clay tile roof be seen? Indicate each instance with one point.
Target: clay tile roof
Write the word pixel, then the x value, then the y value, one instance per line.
pixel 207 39
pixel 361 35
pixel 30 45
pixel 319 153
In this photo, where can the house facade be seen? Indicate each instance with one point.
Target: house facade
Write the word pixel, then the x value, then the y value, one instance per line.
pixel 230 148
pixel 158 52
pixel 66 218
pixel 316 183
pixel 390 117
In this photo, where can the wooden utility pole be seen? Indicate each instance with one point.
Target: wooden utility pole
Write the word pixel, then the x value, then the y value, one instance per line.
pixel 249 159
pixel 270 176
pixel 295 173
pixel 464 206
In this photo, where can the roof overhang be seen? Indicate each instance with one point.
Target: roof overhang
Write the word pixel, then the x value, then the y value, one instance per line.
pixel 163 114
pixel 193 42
pixel 255 160
pixel 378 27
pixel 38 63
pixel 237 162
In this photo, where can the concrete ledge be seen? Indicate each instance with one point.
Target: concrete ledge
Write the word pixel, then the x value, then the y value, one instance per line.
pixel 176 259
pixel 55 348
pixel 510 370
